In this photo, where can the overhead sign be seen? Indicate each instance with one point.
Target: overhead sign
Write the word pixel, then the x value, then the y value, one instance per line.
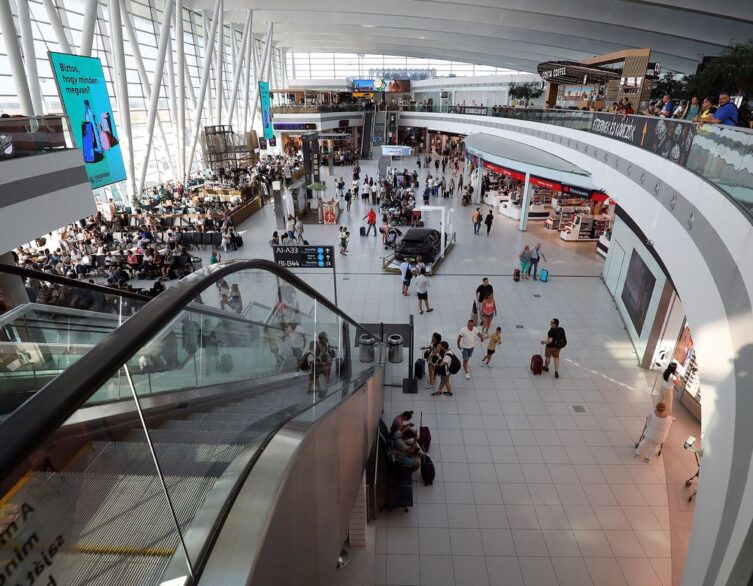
pixel 545 183
pixel 83 93
pixel 504 171
pixel 266 109
pixel 671 139
pixel 396 151
pixel 559 71
pixel 294 125
pixel 576 191
pixel 305 257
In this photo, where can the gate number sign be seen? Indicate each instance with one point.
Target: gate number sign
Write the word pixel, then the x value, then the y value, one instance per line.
pixel 305 257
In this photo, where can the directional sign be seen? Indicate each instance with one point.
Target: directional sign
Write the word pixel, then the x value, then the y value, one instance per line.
pixel 305 257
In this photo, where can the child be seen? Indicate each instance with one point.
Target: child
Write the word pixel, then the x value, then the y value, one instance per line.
pixel 271 341
pixel 494 341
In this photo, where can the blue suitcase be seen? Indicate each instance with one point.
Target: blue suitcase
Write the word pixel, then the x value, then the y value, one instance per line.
pixel 544 275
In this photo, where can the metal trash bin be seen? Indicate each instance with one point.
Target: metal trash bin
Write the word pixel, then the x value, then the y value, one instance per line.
pixel 366 348
pixel 395 348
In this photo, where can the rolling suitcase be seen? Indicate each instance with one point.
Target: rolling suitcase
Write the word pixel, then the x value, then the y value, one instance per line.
pixel 516 275
pixel 427 470
pixel 424 435
pixel 362 231
pixel 544 275
pixel 420 368
pixel 537 364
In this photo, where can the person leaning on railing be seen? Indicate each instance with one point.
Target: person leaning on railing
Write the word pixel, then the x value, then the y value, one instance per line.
pixel 708 109
pixel 726 113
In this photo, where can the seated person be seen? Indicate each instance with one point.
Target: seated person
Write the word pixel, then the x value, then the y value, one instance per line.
pixel 407 450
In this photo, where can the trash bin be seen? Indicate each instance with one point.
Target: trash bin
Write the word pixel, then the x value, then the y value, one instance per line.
pixel 366 348
pixel 395 348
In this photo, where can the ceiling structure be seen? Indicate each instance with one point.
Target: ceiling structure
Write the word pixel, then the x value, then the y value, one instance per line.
pixel 512 34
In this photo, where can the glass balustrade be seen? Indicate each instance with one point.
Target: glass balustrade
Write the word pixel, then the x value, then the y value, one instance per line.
pixel 24 136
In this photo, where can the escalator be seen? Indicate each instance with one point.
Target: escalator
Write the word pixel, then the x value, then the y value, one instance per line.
pixel 126 467
pixel 368 132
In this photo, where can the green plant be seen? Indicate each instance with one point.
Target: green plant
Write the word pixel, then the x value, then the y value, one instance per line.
pixel 525 90
pixel 732 70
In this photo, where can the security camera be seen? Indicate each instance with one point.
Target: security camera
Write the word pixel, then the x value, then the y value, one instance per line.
pixel 689 442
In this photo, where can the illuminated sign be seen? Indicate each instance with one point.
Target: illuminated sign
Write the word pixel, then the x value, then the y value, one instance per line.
pixel 558 72
pixel 304 257
pixel 266 109
pixel 83 93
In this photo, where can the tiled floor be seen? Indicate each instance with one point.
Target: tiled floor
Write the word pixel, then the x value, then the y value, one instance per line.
pixel 528 490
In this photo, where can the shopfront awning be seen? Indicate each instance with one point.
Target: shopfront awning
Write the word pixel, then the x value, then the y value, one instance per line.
pixel 572 72
pixel 523 158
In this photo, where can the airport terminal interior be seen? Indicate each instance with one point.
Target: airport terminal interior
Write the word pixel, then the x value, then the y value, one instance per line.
pixel 390 294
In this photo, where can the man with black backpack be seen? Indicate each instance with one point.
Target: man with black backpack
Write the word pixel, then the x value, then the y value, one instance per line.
pixel 447 365
pixel 555 341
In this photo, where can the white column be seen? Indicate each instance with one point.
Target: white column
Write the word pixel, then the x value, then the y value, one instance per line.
pixel 260 73
pixel 181 58
pixel 203 89
pixel 57 26
pixel 146 86
pixel 239 67
pixel 121 87
pixel 159 68
pixel 284 57
pixel 87 36
pixel 220 60
pixel 525 203
pixel 10 39
pixel 30 59
pixel 250 66
pixel 171 86
pixel 208 41
pixel 479 182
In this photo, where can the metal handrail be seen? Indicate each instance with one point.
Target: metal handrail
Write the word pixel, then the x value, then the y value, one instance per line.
pixel 49 408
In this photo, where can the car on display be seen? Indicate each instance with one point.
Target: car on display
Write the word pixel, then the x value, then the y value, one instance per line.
pixel 423 242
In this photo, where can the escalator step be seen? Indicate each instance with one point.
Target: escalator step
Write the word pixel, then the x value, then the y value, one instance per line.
pixel 175 459
pixel 112 514
pixel 105 570
pixel 201 437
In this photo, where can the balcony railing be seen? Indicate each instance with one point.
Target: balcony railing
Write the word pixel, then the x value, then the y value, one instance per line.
pixel 723 155
pixel 316 108
pixel 23 136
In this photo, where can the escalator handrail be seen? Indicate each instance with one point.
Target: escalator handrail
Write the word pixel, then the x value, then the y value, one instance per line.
pixel 44 412
pixel 68 282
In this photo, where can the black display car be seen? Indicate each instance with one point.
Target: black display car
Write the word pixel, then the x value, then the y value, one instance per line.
pixel 423 242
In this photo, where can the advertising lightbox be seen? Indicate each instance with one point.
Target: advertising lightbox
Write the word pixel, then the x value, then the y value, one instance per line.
pixel 83 93
pixel 266 109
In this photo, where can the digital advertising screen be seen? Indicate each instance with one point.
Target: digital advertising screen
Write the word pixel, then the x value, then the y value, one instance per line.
pixel 393 86
pixel 266 109
pixel 83 93
pixel 398 86
pixel 363 85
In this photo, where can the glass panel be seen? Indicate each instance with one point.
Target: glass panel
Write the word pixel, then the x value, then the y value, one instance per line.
pixel 37 135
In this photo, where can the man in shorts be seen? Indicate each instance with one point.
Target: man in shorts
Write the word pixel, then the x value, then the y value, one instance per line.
pixel 494 340
pixel 466 341
pixel 555 341
pixel 406 272
pixel 422 290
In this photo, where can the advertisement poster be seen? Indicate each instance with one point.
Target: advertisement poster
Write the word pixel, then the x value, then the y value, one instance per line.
pixel 83 93
pixel 395 86
pixel 671 139
pixel 266 109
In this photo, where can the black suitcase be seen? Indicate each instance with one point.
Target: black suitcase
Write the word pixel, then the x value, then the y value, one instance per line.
pixel 362 231
pixel 427 470
pixel 239 241
pixel 420 368
pixel 399 488
pixel 516 275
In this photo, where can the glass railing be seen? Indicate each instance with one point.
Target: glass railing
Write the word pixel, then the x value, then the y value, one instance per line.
pixel 316 108
pixel 723 155
pixel 131 491
pixel 23 136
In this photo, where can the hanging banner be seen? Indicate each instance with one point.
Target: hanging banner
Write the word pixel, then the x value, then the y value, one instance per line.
pixel 83 94
pixel 545 183
pixel 266 109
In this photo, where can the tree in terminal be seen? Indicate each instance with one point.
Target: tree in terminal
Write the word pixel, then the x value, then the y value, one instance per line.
pixel 526 91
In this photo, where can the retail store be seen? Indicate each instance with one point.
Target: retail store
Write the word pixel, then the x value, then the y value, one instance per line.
pixel 413 137
pixel 341 140
pixel 444 143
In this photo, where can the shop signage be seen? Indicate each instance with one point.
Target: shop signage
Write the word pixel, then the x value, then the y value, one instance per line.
pixel 83 93
pixel 575 191
pixel 266 109
pixel 396 151
pixel 558 72
pixel 504 171
pixel 538 181
pixel 294 125
pixel 304 257
pixel 670 139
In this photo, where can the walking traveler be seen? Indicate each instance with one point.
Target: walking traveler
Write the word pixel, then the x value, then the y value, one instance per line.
pixel 488 221
pixel 487 309
pixel 477 217
pixel 555 341
pixel 371 219
pixel 466 342
pixel 525 261
pixel 406 271
pixel 422 288
pixel 443 370
pixel 655 433
pixel 494 340
pixel 536 256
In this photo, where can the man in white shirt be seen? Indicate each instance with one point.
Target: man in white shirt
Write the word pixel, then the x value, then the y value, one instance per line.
pixel 406 271
pixel 422 290
pixel 466 341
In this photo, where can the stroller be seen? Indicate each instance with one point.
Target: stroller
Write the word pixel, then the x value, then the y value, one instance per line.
pixel 391 239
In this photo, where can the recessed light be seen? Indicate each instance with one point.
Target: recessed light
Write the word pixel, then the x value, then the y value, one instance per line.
pixel 368 25
pixel 422 38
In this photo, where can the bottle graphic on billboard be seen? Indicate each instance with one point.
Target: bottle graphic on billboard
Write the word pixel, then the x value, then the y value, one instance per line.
pixel 92 119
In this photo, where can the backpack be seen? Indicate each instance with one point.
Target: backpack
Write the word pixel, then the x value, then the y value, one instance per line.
pixel 304 363
pixel 560 341
pixel 454 363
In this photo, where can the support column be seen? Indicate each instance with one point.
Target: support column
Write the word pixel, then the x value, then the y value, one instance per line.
pixel 220 58
pixel 261 70
pixel 171 86
pixel 30 59
pixel 180 50
pixel 525 203
pixel 203 90
pixel 121 87
pixel 477 184
pixel 239 68
pixel 159 68
pixel 87 35
pixel 250 61
pixel 208 41
pixel 10 39
pixel 57 26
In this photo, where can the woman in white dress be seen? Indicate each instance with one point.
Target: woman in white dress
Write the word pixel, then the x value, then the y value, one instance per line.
pixel 670 380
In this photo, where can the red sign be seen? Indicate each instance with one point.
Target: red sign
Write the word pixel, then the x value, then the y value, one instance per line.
pixel 598 196
pixel 504 171
pixel 553 185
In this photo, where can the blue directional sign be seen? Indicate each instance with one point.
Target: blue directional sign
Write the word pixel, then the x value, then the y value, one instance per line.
pixel 305 257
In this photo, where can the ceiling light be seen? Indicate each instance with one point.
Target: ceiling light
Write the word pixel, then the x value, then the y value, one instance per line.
pixel 368 25
pixel 422 38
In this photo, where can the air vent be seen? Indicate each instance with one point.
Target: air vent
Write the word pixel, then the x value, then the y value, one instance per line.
pixel 579 408
pixel 519 326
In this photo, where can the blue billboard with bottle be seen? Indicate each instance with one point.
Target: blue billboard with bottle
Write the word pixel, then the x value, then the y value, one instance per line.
pixel 83 93
pixel 266 109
